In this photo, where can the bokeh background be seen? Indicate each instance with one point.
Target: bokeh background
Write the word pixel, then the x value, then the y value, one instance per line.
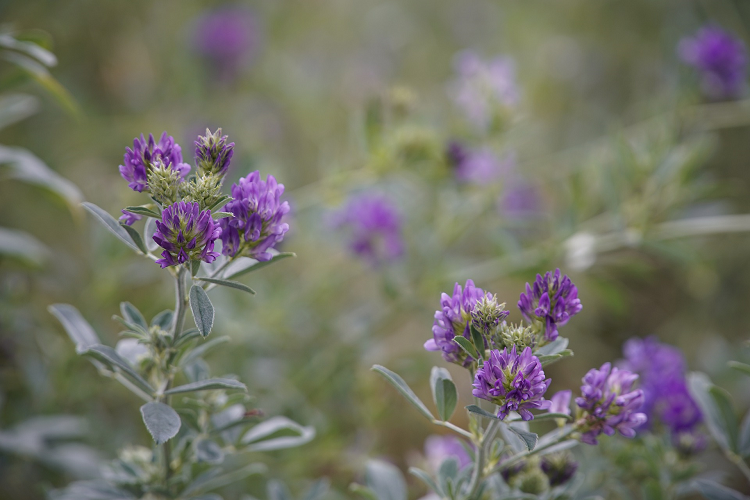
pixel 605 142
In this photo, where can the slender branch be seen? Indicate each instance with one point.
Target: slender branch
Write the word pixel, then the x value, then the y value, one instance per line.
pixel 455 428
pixel 181 303
pixel 739 462
pixel 133 388
pixel 520 456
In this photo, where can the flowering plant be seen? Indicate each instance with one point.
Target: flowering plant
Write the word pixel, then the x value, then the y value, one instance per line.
pixel 200 424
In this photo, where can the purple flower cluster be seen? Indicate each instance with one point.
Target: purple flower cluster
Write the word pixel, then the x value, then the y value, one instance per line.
pixel 720 58
pixel 483 86
pixel 438 448
pixel 609 404
pixel 553 301
pixel 257 213
pixel 212 153
pixel 228 37
pixel 514 382
pixel 186 234
pixel 454 318
pixel 374 226
pixel 139 160
pixel 662 374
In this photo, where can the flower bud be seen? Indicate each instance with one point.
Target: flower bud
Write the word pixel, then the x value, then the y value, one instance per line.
pixel 164 183
pixel 487 314
pixel 204 189
pixel 509 335
pixel 213 154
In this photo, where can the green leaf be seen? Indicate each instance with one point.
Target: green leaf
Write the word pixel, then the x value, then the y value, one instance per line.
pixel 31 49
pixel 144 210
pixel 213 479
pixel 402 387
pixel 724 402
pixel 222 215
pixel 427 480
pixel 203 310
pixel 555 347
pixel 136 237
pixel 479 411
pixel 209 452
pixel 244 265
pixel 444 392
pixel 227 283
pixel 550 416
pixel 133 315
pixel 207 385
pixel 23 247
pixel 16 107
pixel 149 232
pixel 195 266
pixel 385 480
pixel 163 320
pixel 110 356
pixel 219 202
pixel 715 415
pixel 529 438
pixel 548 359
pixel 78 329
pixel 42 76
pixel 478 340
pixel 715 491
pixel 467 346
pixel 276 490
pixel 265 436
pixel 112 225
pixel 161 421
pixel 740 367
pixel 363 491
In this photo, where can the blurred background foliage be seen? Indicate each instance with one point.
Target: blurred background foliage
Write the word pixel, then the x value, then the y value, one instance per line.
pixel 337 98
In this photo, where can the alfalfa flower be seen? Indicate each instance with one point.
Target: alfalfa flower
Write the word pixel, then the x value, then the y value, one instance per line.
pixel 374 228
pixel 552 301
pixel 256 223
pixel 512 381
pixel 454 319
pixel 228 37
pixel 186 234
pixel 608 404
pixel 129 218
pixel 720 58
pixel 146 154
pixel 213 153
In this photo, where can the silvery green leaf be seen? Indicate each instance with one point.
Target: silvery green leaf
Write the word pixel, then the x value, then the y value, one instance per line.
pixel 427 480
pixel 402 387
pixel 163 320
pixel 208 451
pixel 479 411
pixel 16 107
pixel 273 435
pixel 385 480
pixel 149 231
pixel 317 490
pixel 222 215
pixel 111 224
pixel 740 367
pixel 203 310
pixel 548 359
pixel 131 349
pixel 231 284
pixel 41 75
pixel 716 409
pixel 197 370
pixel 213 478
pixel 467 346
pixel 31 49
pixel 161 420
pixel 555 347
pixel 202 349
pixel 478 340
pixel 548 416
pixel 109 356
pixel 529 438
pixel 244 265
pixel 144 210
pixel 78 329
pixel 276 490
pixel 444 392
pixel 136 237
pixel 207 385
pixel 447 474
pixel 715 491
pixel 23 247
pixel 133 315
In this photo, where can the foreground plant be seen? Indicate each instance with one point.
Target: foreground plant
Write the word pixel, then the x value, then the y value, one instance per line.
pixel 202 426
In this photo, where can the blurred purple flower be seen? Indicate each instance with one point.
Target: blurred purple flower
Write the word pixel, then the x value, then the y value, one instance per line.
pixel 519 198
pixel 227 37
pixel 129 218
pixel 720 58
pixel 561 402
pixel 454 318
pixel 609 403
pixel 514 382
pixel 480 166
pixel 374 226
pixel 662 371
pixel 186 234
pixel 558 467
pixel 481 87
pixel 257 212
pixel 438 448
pixel 553 301
pixel 139 160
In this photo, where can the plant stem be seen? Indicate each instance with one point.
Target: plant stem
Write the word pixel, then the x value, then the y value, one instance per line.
pixel 482 447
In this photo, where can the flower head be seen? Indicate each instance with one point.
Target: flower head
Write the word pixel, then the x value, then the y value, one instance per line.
pixel 145 154
pixel 256 223
pixel 438 448
pixel 561 402
pixel 374 226
pixel 186 234
pixel 609 403
pixel 558 467
pixel 552 300
pixel 514 382
pixel 228 38
pixel 488 314
pixel 212 153
pixel 452 319
pixel 720 58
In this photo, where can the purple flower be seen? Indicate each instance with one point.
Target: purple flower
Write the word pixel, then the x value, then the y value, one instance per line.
pixel 374 227
pixel 212 153
pixel 228 38
pixel 558 467
pixel 519 199
pixel 561 402
pixel 553 301
pixel 481 87
pixel 438 448
pixel 256 223
pixel 481 166
pixel 609 403
pixel 662 373
pixel 139 160
pixel 186 234
pixel 454 318
pixel 129 218
pixel 514 382
pixel 720 58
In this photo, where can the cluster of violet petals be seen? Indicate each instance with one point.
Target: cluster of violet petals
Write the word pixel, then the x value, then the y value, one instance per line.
pixel 553 300
pixel 186 234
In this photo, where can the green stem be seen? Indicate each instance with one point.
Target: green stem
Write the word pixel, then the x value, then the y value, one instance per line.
pixel 520 456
